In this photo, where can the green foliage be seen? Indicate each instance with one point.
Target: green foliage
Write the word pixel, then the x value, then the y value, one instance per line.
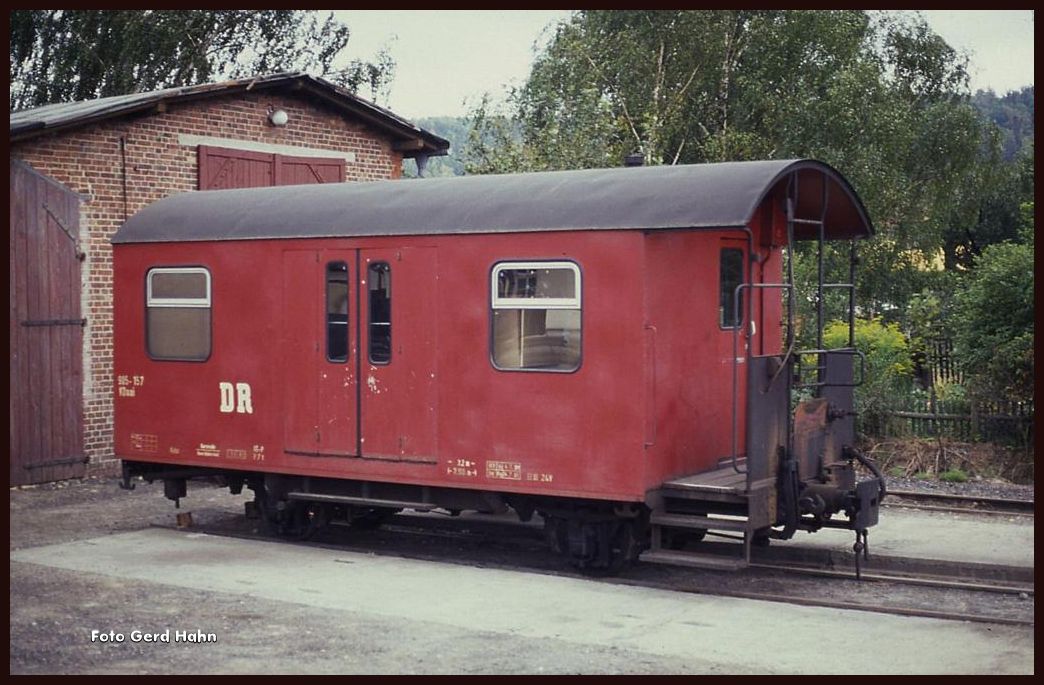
pixel 924 316
pixel 885 347
pixel 494 144
pixel 888 370
pixel 924 322
pixel 952 398
pixel 994 322
pixel 1013 113
pixel 953 476
pixel 68 55
pixel 996 216
pixel 884 100
pixel 1026 233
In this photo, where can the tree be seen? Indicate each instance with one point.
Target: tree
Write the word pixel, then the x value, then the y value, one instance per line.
pixel 884 100
pixel 999 187
pixel 68 55
pixel 994 338
pixel 1012 113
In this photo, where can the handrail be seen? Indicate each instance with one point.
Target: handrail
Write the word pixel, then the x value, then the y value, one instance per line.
pixel 735 359
pixel 844 350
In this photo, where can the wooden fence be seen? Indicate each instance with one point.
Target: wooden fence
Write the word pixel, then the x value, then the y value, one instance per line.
pixel 942 362
pixel 1000 422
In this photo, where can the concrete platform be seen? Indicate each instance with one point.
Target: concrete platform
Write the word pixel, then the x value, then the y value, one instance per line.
pixel 693 633
pixel 1006 540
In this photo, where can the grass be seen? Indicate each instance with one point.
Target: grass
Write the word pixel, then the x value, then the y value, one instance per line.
pixel 953 476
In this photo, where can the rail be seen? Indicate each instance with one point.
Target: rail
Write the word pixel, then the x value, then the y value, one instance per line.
pixel 940 501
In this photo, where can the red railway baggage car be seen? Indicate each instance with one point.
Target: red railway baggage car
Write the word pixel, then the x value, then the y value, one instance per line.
pixel 607 348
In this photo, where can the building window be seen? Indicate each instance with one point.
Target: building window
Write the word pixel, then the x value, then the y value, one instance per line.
pixel 731 278
pixel 177 322
pixel 378 282
pixel 536 316
pixel 337 312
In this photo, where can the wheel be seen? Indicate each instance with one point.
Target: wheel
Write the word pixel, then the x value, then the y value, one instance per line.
pixel 306 519
pixel 290 519
pixel 624 546
pixel 555 533
pixel 594 547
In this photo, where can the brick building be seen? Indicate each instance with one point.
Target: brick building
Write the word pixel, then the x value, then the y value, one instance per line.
pixel 78 170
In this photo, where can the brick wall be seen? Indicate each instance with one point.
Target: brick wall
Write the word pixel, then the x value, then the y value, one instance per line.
pixel 92 161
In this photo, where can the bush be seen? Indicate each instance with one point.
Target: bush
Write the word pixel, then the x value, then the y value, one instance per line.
pixel 884 345
pixel 889 369
pixel 952 398
pixel 994 338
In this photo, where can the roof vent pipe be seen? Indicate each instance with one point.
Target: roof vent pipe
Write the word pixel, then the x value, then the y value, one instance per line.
pixel 634 159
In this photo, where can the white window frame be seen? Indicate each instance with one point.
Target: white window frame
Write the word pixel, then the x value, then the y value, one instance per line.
pixel 200 302
pixel 534 302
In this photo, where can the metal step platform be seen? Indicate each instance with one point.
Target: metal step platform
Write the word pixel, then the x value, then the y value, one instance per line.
pixel 658 554
pixel 718 500
pixel 697 522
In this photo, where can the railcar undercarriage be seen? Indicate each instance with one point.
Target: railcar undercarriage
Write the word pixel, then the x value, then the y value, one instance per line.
pixel 596 536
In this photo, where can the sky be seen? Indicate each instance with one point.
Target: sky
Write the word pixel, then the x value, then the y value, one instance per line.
pixel 447 59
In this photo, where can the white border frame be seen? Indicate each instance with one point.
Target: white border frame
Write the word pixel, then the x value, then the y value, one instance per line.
pixel 535 302
pixel 200 302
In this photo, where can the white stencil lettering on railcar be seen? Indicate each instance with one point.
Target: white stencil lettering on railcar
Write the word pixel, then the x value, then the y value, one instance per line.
pixel 235 398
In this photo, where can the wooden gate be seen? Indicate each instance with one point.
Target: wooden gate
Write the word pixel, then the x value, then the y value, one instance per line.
pixel 46 330
pixel 221 168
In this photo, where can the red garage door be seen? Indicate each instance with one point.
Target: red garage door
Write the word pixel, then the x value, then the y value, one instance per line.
pixel 46 330
pixel 225 168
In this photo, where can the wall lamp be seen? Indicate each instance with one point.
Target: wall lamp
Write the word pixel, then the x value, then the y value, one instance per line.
pixel 278 117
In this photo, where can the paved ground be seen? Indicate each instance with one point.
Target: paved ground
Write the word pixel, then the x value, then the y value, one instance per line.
pixel 84 558
pixel 906 532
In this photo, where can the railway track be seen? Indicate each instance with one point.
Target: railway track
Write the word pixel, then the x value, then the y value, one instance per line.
pixel 790 574
pixel 945 502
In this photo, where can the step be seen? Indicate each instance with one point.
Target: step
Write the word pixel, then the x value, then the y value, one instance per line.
pixel 701 522
pixel 709 561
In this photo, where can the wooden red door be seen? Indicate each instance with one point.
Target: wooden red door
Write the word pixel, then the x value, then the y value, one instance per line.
pixel 227 168
pixel 221 168
pixel 320 349
pixel 46 330
pixel 398 404
pixel 296 170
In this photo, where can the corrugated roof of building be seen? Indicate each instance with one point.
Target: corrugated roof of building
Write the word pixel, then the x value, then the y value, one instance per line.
pixel 39 120
pixel 648 198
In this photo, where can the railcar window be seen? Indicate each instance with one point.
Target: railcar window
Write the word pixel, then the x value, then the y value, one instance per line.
pixel 337 312
pixel 378 282
pixel 177 319
pixel 731 278
pixel 536 316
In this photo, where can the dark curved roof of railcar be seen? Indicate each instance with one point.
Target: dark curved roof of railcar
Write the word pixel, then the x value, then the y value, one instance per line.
pixel 652 197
